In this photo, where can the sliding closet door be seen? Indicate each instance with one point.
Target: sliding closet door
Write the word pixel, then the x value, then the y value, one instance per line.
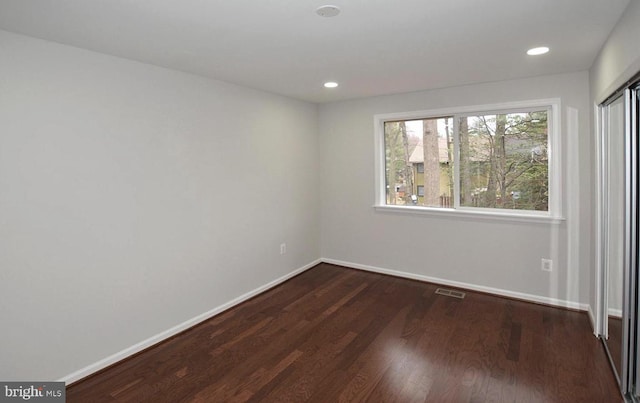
pixel 632 96
pixel 630 305
pixel 614 231
pixel 618 236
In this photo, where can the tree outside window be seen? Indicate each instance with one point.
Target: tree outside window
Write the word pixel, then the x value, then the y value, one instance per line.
pixel 482 160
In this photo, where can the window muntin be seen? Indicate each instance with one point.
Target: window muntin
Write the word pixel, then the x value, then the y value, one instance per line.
pixel 509 152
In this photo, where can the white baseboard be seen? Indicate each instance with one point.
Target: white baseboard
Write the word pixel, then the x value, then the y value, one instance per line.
pixel 489 290
pixel 119 356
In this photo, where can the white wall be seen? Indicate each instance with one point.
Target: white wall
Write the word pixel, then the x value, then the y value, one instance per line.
pixel 498 255
pixel 134 198
pixel 619 58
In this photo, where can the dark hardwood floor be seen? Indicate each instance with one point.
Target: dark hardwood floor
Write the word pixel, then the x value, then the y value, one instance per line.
pixel 334 334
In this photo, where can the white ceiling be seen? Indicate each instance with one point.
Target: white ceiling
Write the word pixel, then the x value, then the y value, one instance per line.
pixel 373 47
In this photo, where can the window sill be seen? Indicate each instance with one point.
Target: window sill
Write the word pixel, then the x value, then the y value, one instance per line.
pixel 508 216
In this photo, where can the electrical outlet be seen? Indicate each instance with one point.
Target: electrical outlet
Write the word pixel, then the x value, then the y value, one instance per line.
pixel 283 248
pixel 546 265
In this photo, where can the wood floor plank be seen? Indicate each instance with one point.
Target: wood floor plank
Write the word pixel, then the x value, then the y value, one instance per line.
pixel 335 334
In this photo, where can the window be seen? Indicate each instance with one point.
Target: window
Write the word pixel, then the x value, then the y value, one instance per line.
pixel 492 159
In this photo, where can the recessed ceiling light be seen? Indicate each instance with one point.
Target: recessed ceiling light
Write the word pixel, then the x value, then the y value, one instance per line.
pixel 328 11
pixel 330 84
pixel 537 51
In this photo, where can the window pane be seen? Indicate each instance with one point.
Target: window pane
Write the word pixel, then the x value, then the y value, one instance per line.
pixel 504 161
pixel 419 162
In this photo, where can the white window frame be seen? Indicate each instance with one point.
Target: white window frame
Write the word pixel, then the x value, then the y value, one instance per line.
pixel 553 215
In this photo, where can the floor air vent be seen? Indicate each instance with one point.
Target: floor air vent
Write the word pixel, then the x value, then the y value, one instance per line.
pixel 451 293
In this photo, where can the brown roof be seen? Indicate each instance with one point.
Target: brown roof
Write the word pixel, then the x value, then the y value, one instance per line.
pixel 417 156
